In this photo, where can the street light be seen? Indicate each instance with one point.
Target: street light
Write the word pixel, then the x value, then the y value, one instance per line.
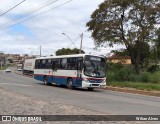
pixel 70 39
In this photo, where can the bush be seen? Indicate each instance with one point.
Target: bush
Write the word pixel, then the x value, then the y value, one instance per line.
pixel 144 77
pixel 110 76
pixel 114 66
pixel 118 72
pixel 153 68
pixel 125 73
pixel 155 78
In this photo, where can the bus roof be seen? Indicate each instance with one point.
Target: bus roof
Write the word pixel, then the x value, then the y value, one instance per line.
pixel 66 56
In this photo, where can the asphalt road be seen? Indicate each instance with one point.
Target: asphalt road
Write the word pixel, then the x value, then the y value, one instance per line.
pixel 107 102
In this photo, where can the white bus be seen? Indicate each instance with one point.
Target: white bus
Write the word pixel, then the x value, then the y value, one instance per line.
pixel 80 70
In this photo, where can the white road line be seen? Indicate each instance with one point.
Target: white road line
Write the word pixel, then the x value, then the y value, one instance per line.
pixel 17 84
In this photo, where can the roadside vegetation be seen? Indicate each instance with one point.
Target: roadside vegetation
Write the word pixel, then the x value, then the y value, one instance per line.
pixel 125 76
pixel 5 67
pixel 136 85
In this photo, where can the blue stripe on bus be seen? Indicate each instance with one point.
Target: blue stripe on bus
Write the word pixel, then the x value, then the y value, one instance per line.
pixel 59 80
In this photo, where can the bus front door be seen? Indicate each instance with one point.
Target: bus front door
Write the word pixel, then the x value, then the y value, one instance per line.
pixel 54 71
pixel 79 73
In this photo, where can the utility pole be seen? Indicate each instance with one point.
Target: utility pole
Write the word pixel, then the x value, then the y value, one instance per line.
pixel 81 43
pixel 40 50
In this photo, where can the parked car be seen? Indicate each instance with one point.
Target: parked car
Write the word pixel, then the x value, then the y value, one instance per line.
pixel 19 69
pixel 8 70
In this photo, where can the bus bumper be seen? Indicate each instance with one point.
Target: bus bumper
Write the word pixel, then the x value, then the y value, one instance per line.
pixel 88 84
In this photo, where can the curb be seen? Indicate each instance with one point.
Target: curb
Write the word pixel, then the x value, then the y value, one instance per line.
pixel 132 90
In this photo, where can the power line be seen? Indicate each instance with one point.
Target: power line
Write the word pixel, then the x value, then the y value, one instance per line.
pixel 12 8
pixel 76 39
pixel 38 14
pixel 28 13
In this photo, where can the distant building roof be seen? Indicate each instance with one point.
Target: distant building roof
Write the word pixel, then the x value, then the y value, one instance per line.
pixel 114 56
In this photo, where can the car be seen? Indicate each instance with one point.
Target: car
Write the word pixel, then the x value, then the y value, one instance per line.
pixel 19 69
pixel 8 70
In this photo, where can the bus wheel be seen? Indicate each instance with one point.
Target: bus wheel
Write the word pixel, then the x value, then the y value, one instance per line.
pixel 70 83
pixel 45 80
pixel 90 88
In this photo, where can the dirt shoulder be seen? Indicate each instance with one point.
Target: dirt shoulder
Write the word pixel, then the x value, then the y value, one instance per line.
pixel 133 90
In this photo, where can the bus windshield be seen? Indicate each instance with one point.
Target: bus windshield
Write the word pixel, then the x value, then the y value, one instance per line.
pixel 94 66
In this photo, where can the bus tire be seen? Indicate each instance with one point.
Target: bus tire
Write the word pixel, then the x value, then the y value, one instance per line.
pixel 70 83
pixel 45 80
pixel 90 88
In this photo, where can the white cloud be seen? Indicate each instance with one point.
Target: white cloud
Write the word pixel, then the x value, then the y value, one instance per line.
pixel 46 30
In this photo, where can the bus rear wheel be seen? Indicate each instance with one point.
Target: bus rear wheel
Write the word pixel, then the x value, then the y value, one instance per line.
pixel 70 83
pixel 90 88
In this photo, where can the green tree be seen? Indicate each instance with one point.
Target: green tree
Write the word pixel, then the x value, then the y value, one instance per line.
pixel 157 44
pixel 127 22
pixel 155 49
pixel 68 51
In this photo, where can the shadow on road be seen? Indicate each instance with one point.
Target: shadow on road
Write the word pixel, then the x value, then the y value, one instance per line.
pixel 75 89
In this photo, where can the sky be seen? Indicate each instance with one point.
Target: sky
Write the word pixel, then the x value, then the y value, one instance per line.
pixel 25 37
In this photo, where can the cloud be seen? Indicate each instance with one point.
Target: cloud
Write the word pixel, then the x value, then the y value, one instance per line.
pixel 46 30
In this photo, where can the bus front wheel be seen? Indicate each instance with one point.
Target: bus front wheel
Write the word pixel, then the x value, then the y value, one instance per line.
pixel 70 83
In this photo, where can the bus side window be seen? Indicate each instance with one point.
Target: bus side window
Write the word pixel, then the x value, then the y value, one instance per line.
pixel 71 63
pixel 37 64
pixel 43 64
pixel 63 63
pixel 49 64
pixel 55 64
pixel 40 64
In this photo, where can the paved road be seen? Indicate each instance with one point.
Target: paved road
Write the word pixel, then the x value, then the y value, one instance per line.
pixel 107 102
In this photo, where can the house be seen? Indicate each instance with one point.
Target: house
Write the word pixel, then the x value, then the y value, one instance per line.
pixel 126 60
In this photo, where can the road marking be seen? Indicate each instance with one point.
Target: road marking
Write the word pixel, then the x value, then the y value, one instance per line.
pixel 17 84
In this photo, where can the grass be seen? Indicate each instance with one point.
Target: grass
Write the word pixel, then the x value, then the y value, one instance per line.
pixel 3 67
pixel 136 85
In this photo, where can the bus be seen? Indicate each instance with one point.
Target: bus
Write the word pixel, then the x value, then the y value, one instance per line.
pixel 79 70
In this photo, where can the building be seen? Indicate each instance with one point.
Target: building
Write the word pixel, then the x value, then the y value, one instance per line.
pixel 126 60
